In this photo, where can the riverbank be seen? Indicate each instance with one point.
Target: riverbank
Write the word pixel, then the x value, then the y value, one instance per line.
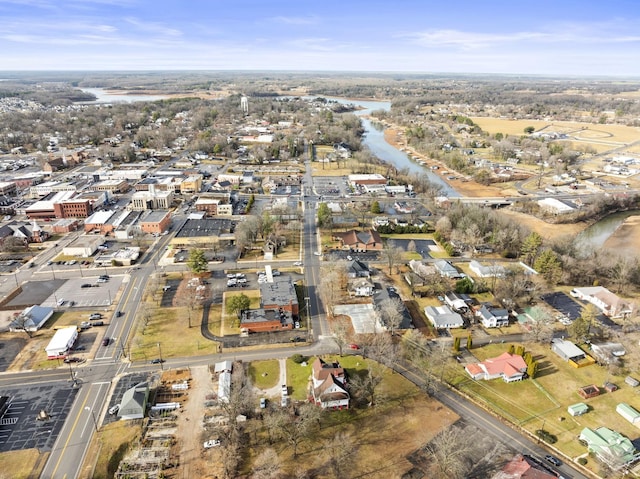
pixel 462 185
pixel 625 240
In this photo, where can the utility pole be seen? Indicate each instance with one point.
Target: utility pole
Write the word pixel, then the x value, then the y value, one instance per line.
pixel 160 353
pixel 93 416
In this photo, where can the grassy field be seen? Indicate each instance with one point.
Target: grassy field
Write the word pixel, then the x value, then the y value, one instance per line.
pixel 169 327
pixel 298 378
pixel 264 374
pixel 230 322
pixel 20 464
pixel 110 446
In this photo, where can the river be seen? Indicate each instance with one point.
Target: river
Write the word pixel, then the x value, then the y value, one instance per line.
pixel 103 96
pixel 375 141
pixel 597 234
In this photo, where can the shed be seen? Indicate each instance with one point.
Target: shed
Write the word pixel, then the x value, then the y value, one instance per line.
pixel 628 412
pixel 578 409
pixel 610 387
pixel 631 381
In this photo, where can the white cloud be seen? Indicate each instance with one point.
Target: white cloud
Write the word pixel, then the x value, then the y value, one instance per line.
pixel 152 27
pixel 295 20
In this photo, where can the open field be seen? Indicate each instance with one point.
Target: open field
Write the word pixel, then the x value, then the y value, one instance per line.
pixel 110 446
pixel 264 374
pixel 20 464
pixel 583 131
pixel 626 239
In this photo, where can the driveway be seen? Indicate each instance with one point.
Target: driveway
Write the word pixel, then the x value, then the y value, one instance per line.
pixel 363 317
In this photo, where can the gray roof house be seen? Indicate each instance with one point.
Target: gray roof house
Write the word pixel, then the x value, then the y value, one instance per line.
pixel 134 402
pixel 567 350
pixel 442 317
pixel 31 319
pixel 446 269
pixel 357 269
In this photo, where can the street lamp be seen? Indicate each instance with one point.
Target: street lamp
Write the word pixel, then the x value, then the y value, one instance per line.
pixel 160 354
pixel 53 273
pixel 95 423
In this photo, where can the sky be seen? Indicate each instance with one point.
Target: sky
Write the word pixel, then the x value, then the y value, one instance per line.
pixel 561 37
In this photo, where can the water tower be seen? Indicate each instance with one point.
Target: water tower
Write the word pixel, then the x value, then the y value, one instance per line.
pixel 244 104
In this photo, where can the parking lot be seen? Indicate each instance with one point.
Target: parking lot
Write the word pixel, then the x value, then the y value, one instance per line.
pixel 95 295
pixel 331 186
pixel 362 317
pixel 21 429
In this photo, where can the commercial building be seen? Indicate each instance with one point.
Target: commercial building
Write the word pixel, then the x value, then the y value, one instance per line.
pixel 155 222
pixel 151 200
pixel 61 342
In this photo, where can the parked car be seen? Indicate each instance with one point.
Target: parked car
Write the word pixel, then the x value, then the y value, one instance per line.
pixel 354 346
pixel 263 403
pixel 553 460
pixel 85 325
pixel 72 359
pixel 285 390
pixel 93 316
pixel 114 409
pixel 211 443
pixel 61 302
pixel 97 323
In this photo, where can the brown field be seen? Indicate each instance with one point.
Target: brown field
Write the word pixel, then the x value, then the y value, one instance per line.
pixel 620 134
pixel 22 464
pixel 544 229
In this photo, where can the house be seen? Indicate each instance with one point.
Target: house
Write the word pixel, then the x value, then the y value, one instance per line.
pixel 521 467
pixel 486 271
pixel 556 206
pixel 578 409
pixel 609 446
pixel 360 241
pixel 509 367
pixel 628 412
pixel 447 270
pixel 493 318
pixel 456 302
pixel 609 303
pixel 357 269
pixel 31 319
pixel 442 317
pixel 328 385
pixel 134 402
pixel 361 287
pixel 567 350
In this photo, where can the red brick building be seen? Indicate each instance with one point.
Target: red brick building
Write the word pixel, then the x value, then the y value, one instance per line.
pixel 155 222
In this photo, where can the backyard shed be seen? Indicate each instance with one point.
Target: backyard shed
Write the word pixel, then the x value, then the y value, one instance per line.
pixel 628 412
pixel 631 381
pixel 578 409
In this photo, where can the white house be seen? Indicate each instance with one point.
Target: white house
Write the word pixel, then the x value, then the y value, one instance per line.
pixel 486 271
pixel 493 318
pixel 361 287
pixel 31 319
pixel 609 303
pixel 328 385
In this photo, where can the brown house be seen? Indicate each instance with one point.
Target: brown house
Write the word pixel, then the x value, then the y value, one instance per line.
pixel 360 241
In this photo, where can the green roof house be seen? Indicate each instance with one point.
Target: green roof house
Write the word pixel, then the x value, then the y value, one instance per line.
pixel 609 446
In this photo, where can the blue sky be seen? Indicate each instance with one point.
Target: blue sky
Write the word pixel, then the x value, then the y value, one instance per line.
pixel 544 37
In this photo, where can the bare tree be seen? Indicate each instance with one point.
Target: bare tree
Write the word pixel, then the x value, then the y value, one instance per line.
pixel 391 310
pixel 391 255
pixel 341 448
pixel 295 429
pixel 341 333
pixel 449 452
pixel 267 465
pixel 329 285
pixel 191 297
pixel 23 322
pixel 365 386
pixel 540 326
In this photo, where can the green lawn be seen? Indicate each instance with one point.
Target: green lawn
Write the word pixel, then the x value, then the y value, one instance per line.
pixel 264 374
pixel 298 378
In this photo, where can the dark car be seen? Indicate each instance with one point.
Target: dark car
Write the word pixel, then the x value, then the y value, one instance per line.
pixel 85 285
pixel 73 360
pixel 157 361
pixel 106 341
pixel 553 460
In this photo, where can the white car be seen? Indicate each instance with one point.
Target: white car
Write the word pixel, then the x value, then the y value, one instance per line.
pixel 114 409
pixel 211 443
pixel 298 263
pixel 317 253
